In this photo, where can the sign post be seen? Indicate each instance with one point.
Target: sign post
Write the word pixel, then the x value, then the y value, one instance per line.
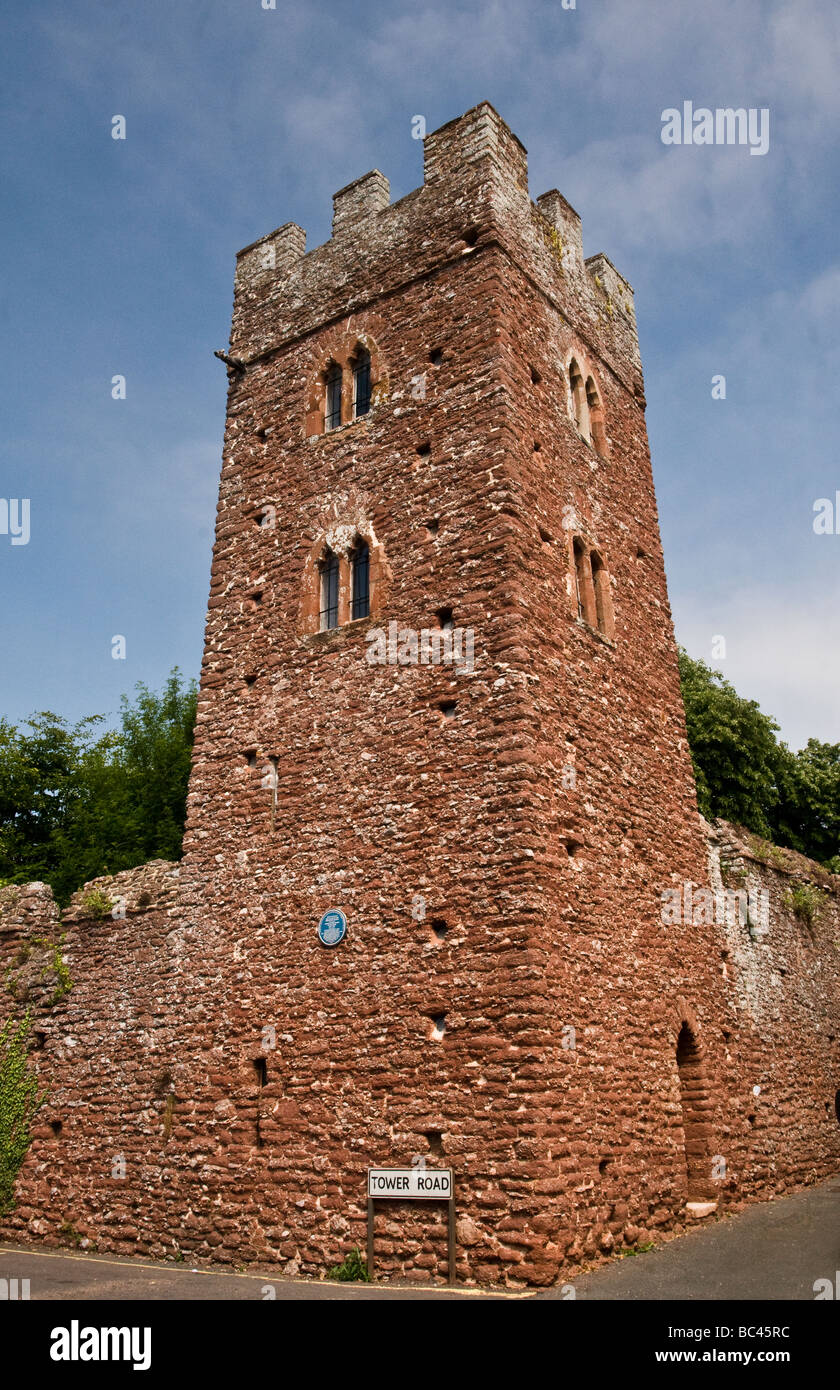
pixel 412 1185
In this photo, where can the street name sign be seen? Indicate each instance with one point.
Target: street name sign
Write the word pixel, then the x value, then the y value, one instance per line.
pixel 410 1183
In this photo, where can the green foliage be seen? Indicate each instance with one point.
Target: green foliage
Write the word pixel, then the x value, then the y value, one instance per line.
pixel 52 963
pixel 63 981
pixel 20 1101
pixel 352 1268
pixel 809 810
pixel 733 749
pixel 77 803
pixel 805 902
pixel 97 904
pixel 745 775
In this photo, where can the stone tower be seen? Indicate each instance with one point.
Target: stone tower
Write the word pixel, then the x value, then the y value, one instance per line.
pixel 440 694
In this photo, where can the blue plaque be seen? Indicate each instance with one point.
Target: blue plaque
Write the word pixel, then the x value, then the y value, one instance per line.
pixel 332 927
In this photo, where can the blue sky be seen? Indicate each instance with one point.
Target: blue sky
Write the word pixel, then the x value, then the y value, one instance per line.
pixel 119 259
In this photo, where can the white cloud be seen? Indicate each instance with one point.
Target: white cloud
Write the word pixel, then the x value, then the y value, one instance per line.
pixel 781 650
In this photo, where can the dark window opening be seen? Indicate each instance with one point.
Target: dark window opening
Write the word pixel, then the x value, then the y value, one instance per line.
pixel 262 432
pixel 250 757
pixel 360 560
pixel 599 578
pixel 447 708
pixel 436 357
pixel 250 679
pixel 438 928
pixel 438 1026
pixel 596 418
pixel 332 412
pixel 434 1139
pixel 329 592
pixel 39 1040
pixel 446 619
pixel 261 1070
pixel 537 446
pixel 837 1105
pixel 56 1127
pixel 536 377
pixel 361 383
pixel 424 449
pixel 545 536
pixel 471 237
pixel 432 526
pixel 604 1165
pixel 580 557
pixel 576 384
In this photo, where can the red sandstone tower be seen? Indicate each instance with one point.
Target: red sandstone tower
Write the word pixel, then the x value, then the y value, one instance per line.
pixel 436 425
pixel 439 697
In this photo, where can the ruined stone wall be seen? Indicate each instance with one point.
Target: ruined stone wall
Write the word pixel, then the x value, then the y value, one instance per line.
pixel 99 1038
pixel 512 999
pixel 780 960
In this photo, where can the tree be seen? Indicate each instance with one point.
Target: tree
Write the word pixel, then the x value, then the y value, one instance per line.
pixel 39 792
pixel 76 803
pixel 733 749
pixel 745 775
pixel 809 813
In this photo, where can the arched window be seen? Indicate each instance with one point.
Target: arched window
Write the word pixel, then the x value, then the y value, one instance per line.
pixel 599 583
pixel 593 598
pixel 361 383
pixel 578 398
pixel 694 1099
pixel 332 404
pixel 596 418
pixel 360 562
pixel 580 577
pixel 329 591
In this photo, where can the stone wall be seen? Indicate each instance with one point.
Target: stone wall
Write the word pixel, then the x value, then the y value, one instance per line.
pixel 98 1156
pixel 116 1160
pixel 782 1057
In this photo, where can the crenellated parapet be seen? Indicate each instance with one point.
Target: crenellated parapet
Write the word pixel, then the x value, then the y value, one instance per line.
pixel 474 196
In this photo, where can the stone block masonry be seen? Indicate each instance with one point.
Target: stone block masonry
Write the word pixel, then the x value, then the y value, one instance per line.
pixel 509 1000
pixel 115 1165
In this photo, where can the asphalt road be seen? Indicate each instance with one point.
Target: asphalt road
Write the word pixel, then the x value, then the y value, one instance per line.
pixel 774 1250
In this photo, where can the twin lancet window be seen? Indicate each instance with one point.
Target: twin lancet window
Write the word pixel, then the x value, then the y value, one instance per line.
pixel 587 409
pixel 334 386
pixel 592 589
pixel 331 577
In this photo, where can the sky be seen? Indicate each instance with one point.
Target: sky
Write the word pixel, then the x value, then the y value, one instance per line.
pixel 119 259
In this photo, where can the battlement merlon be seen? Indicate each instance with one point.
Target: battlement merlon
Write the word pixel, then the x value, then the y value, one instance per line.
pixel 619 291
pixel 475 191
pixel 357 201
pixel 271 255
